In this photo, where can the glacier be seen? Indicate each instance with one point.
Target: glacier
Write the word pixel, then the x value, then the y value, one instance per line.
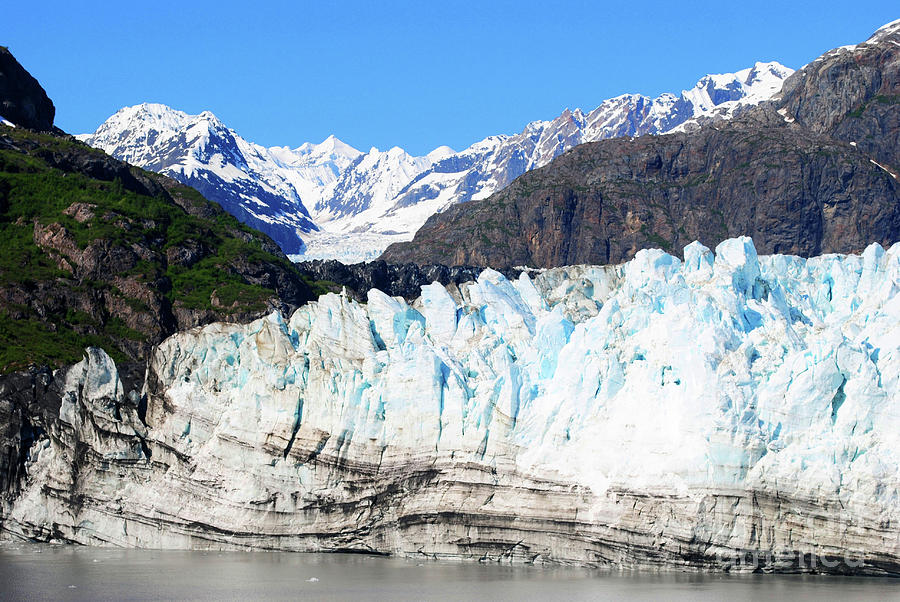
pixel 663 412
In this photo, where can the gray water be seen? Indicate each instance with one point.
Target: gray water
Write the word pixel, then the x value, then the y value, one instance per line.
pixel 35 572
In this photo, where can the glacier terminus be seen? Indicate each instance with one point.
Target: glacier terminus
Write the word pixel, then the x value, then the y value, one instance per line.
pixel 663 412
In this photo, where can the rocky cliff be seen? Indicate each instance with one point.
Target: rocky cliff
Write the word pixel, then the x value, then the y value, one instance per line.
pixel 23 101
pixel 815 171
pixel 728 412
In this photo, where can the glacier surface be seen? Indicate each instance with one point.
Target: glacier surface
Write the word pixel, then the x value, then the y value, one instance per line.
pixel 655 412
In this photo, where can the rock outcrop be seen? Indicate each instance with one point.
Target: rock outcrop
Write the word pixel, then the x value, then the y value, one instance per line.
pixel 22 99
pixel 728 412
pixel 816 171
pixel 396 280
pixel 852 94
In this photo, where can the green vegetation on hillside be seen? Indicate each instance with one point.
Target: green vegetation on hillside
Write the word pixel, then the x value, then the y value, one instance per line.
pixel 880 99
pixel 125 237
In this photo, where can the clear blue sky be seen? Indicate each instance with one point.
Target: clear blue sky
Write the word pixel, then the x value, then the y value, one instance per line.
pixel 411 74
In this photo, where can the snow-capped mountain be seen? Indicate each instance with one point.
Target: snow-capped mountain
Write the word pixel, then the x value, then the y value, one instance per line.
pixel 349 205
pixel 263 187
pixel 491 164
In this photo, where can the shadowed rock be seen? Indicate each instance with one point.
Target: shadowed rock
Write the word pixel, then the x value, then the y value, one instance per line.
pixel 22 99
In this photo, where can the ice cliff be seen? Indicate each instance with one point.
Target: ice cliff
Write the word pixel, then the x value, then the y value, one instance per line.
pixel 659 412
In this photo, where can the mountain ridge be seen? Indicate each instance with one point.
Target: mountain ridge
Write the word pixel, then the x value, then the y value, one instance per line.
pixel 350 204
pixel 811 171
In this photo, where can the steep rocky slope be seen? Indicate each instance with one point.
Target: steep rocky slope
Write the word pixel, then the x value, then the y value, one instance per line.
pixel 730 412
pixel 22 99
pixel 852 94
pixel 815 171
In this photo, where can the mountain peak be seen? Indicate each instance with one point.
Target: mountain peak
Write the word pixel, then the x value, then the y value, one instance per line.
pixel 750 86
pixel 885 30
pixel 761 69
pixel 145 116
pixel 336 146
pixel 160 117
pixel 151 108
pixel 440 153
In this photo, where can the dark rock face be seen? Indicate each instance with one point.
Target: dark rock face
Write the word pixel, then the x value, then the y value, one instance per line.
pixel 22 99
pixel 813 172
pixel 396 280
pixel 789 189
pixel 852 95
pixel 29 404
